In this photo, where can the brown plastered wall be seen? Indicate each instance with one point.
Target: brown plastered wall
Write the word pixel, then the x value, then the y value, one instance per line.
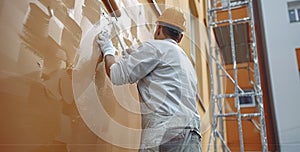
pixel 39 55
pixel 39 52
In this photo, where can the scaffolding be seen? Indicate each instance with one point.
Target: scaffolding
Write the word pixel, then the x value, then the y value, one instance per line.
pixel 232 42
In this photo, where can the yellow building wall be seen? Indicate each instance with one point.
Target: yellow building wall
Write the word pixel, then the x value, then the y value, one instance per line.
pixel 39 104
pixel 51 89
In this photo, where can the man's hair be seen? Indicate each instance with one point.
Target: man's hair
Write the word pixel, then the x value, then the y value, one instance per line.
pixel 171 33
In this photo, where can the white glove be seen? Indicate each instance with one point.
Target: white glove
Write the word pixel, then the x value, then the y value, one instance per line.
pixel 105 44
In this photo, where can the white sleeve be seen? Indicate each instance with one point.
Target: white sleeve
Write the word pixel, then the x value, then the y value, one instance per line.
pixel 117 76
pixel 136 66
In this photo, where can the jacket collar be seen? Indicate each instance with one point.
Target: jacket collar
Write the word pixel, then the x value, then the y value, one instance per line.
pixel 171 40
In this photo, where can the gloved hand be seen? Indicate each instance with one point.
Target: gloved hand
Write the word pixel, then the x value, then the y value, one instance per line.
pixel 105 44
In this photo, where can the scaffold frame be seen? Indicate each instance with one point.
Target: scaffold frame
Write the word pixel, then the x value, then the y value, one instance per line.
pixel 218 72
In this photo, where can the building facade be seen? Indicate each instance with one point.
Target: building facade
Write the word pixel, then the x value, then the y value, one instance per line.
pixel 55 97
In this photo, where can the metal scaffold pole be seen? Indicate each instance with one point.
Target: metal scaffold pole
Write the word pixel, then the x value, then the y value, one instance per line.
pixel 258 82
pixel 232 43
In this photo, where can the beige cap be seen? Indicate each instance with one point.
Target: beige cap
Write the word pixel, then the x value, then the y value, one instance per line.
pixel 174 18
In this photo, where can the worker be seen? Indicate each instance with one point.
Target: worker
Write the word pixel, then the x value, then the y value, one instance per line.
pixel 166 82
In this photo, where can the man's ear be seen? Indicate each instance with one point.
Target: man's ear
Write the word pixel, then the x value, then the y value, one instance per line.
pixel 158 30
pixel 180 38
pixel 158 33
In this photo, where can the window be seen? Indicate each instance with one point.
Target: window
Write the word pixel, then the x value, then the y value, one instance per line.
pixel 292 15
pixel 248 100
pixel 294 11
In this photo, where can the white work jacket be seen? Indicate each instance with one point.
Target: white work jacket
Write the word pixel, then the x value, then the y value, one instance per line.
pixel 167 85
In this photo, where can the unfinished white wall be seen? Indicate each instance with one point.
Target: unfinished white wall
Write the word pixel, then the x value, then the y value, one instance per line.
pixel 282 37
